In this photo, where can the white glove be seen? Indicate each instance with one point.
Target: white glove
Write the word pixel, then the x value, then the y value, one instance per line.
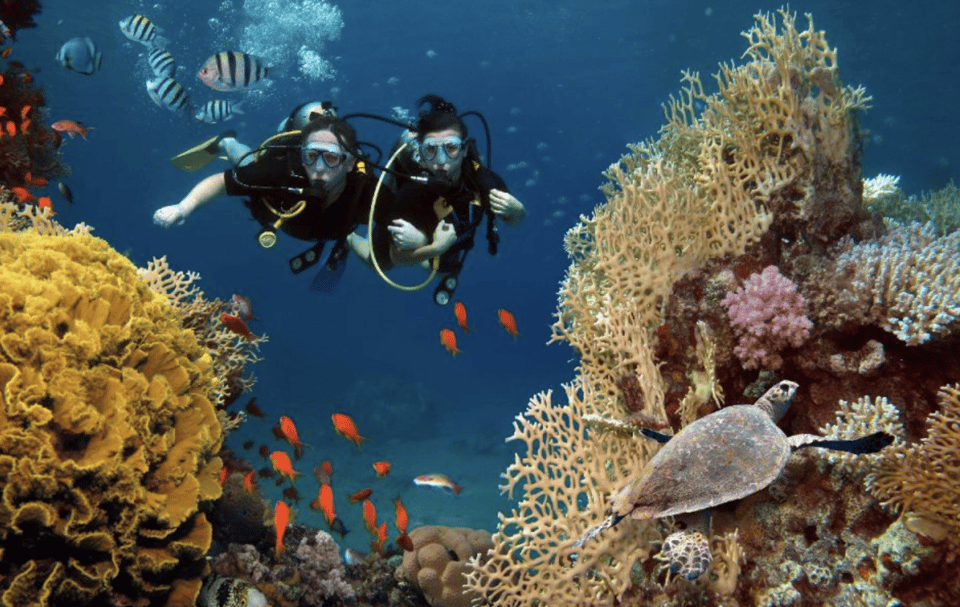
pixel 172 215
pixel 406 236
pixel 506 205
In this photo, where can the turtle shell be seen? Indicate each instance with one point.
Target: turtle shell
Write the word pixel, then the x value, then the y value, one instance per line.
pixel 724 456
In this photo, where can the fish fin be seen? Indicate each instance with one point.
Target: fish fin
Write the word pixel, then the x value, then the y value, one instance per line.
pixel 657 436
pixel 456 489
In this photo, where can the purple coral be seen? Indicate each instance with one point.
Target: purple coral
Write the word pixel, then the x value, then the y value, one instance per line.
pixel 767 314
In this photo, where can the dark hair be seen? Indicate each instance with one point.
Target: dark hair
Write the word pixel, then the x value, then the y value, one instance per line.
pixel 440 116
pixel 297 119
pixel 343 130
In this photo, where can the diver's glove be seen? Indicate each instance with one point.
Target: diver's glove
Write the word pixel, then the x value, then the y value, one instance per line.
pixel 170 216
pixel 406 236
pixel 506 205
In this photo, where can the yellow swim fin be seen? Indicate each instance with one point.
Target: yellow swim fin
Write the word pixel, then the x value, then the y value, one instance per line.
pixel 201 155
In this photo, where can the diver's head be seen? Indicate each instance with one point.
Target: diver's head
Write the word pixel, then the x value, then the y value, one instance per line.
pixel 305 112
pixel 328 152
pixel 442 137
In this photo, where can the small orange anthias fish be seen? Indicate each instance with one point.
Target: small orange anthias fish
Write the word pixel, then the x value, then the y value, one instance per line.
pixel 508 321
pixel 324 503
pixel 377 545
pixel 289 431
pixel 381 468
pixel 44 202
pixel 449 341
pixel 438 481
pixel 282 464
pixel 345 427
pixel 70 127
pixel 236 324
pixel 370 517
pixel 460 311
pixel 224 474
pixel 281 517
pixel 361 495
pixel 243 306
pixel 402 518
pixel 249 481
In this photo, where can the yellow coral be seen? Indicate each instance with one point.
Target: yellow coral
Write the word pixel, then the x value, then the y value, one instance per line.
pixel 108 437
pixel 920 480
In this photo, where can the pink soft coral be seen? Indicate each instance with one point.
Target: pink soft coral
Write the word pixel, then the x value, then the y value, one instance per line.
pixel 767 314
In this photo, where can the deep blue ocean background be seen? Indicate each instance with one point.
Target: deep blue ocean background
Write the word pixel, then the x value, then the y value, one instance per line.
pixel 564 85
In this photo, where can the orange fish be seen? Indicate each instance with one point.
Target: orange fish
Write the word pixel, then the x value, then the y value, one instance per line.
pixel 249 481
pixel 345 427
pixel 70 127
pixel 236 324
pixel 44 202
pixel 508 321
pixel 11 129
pixel 449 341
pixel 253 409
pixel 370 517
pixel 361 495
pixel 224 473
pixel 327 467
pixel 282 464
pixel 381 468
pixel 460 311
pixel 324 503
pixel 281 516
pixel 24 111
pixel 23 194
pixel 289 431
pixel 39 182
pixel 381 535
pixel 402 518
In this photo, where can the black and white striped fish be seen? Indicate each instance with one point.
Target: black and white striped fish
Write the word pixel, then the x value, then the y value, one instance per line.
pixel 167 93
pixel 230 71
pixel 140 29
pixel 161 62
pixel 218 110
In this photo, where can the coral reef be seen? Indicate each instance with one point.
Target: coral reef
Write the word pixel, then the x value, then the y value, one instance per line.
pixel 765 172
pixel 438 562
pixel 108 436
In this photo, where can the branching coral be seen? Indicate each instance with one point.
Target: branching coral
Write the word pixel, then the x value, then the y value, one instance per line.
pixel 920 480
pixel 108 436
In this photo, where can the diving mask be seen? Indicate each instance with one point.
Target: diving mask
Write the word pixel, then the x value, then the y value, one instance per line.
pixel 442 149
pixel 331 154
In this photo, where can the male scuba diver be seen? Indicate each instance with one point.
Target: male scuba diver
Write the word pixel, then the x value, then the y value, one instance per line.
pixel 437 218
pixel 312 184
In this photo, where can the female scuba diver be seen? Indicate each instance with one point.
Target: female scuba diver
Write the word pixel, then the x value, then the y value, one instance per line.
pixel 439 219
pixel 312 184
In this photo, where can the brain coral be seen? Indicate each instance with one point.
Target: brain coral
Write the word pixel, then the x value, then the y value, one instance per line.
pixel 108 438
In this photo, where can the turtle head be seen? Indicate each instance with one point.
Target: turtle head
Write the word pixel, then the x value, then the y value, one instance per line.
pixel 776 401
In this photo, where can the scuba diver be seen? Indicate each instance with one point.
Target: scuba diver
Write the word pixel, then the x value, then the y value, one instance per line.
pixel 443 195
pixel 311 183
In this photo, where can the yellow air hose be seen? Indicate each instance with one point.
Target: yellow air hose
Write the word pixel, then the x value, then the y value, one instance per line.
pixel 373 257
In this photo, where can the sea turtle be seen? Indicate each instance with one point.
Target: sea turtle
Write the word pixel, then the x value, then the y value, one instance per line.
pixel 726 455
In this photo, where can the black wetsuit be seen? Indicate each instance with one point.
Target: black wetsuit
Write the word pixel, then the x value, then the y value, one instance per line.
pixel 417 204
pixel 260 179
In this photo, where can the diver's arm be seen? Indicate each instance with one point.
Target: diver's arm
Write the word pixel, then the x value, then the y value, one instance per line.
pixel 443 238
pixel 507 207
pixel 201 194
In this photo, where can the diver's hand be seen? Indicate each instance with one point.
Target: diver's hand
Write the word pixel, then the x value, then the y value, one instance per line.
pixel 444 236
pixel 506 206
pixel 170 216
pixel 405 235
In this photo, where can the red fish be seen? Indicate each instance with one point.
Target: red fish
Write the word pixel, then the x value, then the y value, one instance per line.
pixel 289 432
pixel 324 503
pixel 282 464
pixel 70 127
pixel 249 481
pixel 248 445
pixel 346 428
pixel 460 311
pixel 370 517
pixel 291 493
pixel 264 451
pixel 23 194
pixel 508 321
pixel 405 542
pixel 224 473
pixel 361 495
pixel 449 341
pixel 381 468
pixel 236 324
pixel 281 517
pixel 402 519
pixel 44 202
pixel 323 472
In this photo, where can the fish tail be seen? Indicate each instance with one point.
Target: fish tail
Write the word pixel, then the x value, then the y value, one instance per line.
pixel 456 489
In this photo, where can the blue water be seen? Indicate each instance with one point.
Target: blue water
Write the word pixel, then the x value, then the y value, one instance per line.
pixel 564 87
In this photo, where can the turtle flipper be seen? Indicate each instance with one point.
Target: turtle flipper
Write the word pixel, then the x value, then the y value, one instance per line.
pixel 660 438
pixel 687 553
pixel 866 444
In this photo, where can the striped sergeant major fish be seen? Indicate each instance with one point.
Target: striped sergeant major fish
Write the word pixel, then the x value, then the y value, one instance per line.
pixel 140 29
pixel 218 110
pixel 230 71
pixel 167 93
pixel 161 62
